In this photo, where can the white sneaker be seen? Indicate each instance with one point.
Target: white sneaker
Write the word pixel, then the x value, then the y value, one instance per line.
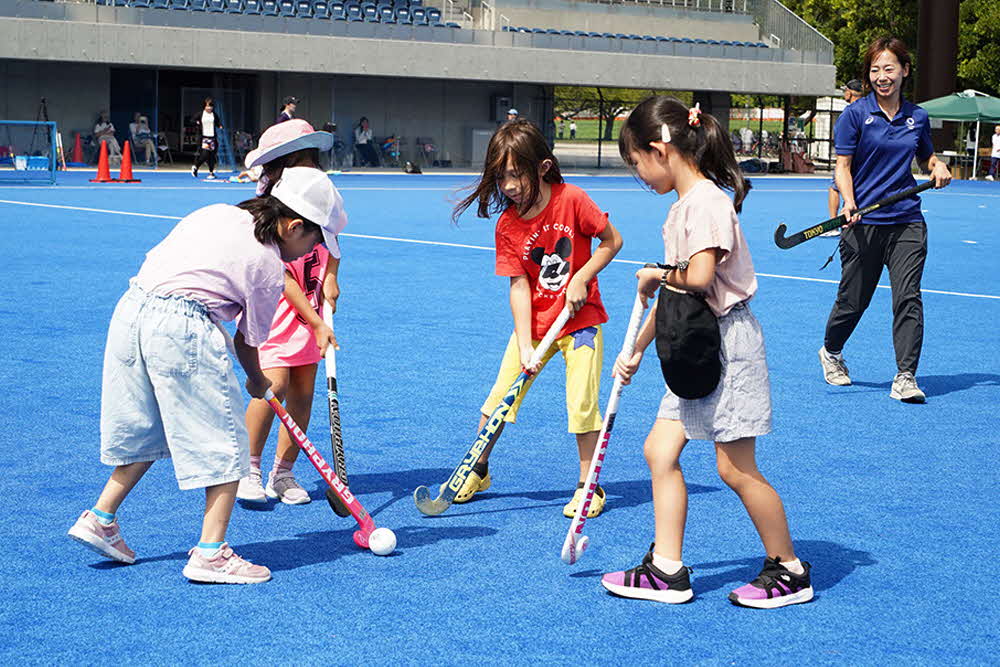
pixel 284 486
pixel 251 488
pixel 834 369
pixel 194 171
pixel 905 389
pixel 989 178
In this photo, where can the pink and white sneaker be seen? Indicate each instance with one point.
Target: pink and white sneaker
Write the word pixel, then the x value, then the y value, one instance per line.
pixel 225 567
pixel 105 540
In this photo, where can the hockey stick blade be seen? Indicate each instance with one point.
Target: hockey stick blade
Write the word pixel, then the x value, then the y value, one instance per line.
pixel 422 495
pixel 786 242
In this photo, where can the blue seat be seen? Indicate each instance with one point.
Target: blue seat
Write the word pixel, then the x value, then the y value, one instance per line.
pixel 401 3
pixel 217 6
pixel 269 7
pixel 433 14
pixel 321 9
pixel 251 6
pixel 452 24
pixel 370 12
pixel 700 41
pixel 538 31
pixel 636 37
pixel 286 8
pixel 609 35
pixel 648 38
pixel 198 5
pixel 551 31
pixel 354 12
pixel 403 15
pixel 141 3
pixel 418 15
pixel 386 14
pixel 337 11
pixel 178 4
pixel 234 6
pixel 662 39
pixel 161 4
pixel 416 3
pixel 581 33
pixel 304 9
pixel 120 3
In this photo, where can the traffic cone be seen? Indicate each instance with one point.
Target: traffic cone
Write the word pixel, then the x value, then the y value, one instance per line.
pixel 125 175
pixel 78 150
pixel 103 171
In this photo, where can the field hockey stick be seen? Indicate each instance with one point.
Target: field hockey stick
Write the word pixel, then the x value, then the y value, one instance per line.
pixel 576 542
pixel 785 242
pixel 446 496
pixel 365 522
pixel 333 405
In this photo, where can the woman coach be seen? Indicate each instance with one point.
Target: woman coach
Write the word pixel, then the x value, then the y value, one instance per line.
pixel 877 138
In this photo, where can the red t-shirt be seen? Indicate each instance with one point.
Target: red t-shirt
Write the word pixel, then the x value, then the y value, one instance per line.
pixel 550 248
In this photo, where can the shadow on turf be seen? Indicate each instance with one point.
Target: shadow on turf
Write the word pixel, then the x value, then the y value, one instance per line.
pixel 620 495
pixel 939 385
pixel 831 562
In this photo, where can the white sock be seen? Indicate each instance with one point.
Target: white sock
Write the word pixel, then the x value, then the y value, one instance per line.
pixel 832 355
pixel 666 565
pixel 793 566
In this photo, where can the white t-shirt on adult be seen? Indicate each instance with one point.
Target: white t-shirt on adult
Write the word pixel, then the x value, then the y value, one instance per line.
pixel 101 127
pixel 207 124
pixel 212 257
pixel 705 218
pixel 996 145
pixel 362 136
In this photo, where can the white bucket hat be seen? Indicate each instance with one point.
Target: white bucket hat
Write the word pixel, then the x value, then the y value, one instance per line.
pixel 310 193
pixel 284 138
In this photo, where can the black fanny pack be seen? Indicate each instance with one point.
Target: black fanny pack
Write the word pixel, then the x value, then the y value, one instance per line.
pixel 688 344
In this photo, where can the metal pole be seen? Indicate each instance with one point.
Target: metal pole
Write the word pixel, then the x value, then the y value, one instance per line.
pixel 975 152
pixel 600 129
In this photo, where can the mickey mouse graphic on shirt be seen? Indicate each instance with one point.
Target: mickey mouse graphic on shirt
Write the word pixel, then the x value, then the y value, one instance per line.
pixel 554 265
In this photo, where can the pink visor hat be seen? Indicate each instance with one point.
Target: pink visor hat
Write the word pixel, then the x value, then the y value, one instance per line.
pixel 288 137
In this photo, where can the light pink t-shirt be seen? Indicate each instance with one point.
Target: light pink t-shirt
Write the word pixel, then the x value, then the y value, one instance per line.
pixel 292 342
pixel 212 257
pixel 705 218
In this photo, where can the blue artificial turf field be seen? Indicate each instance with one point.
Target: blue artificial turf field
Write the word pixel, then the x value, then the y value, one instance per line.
pixel 891 503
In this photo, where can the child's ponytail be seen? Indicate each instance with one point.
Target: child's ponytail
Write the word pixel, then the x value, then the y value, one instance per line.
pixel 717 160
pixel 267 212
pixel 698 136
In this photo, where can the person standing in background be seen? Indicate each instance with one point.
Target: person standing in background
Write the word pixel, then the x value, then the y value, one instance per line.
pixel 288 106
pixel 209 124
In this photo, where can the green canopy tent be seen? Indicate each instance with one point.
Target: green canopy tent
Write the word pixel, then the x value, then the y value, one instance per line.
pixel 967 106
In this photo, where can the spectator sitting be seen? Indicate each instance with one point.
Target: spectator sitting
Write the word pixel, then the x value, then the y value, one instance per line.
pixel 104 132
pixel 365 144
pixel 142 137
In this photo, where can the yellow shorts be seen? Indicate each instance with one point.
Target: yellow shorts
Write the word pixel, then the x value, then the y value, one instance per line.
pixel 583 356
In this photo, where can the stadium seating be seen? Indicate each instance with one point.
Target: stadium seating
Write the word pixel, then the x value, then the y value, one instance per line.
pixel 413 12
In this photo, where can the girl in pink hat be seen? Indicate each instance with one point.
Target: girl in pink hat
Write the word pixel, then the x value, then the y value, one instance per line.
pixel 298 336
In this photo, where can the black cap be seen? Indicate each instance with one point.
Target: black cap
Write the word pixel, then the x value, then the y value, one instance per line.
pixel 855 85
pixel 290 100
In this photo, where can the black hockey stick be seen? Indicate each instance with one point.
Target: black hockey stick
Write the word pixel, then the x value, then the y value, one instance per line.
pixel 795 239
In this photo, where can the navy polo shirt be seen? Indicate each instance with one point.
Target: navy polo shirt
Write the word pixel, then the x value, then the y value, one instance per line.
pixel 882 150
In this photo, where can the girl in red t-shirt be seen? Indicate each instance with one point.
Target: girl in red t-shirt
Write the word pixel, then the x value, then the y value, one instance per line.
pixel 543 243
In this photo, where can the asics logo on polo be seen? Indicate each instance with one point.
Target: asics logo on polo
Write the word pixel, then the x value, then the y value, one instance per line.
pixel 870 120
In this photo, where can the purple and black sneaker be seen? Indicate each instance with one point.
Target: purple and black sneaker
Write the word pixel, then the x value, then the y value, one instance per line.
pixel 775 586
pixel 647 582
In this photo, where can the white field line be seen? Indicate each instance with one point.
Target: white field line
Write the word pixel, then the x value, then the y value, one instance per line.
pixel 397 239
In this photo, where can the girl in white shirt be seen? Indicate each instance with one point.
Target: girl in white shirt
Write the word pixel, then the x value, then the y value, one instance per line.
pixel 210 124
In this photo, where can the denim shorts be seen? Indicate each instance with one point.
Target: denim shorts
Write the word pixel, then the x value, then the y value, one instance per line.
pixel 169 391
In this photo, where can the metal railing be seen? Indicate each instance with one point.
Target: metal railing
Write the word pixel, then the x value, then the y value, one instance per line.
pixel 784 29
pixel 726 6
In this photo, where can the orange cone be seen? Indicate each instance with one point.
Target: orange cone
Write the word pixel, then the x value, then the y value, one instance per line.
pixel 103 171
pixel 78 150
pixel 125 175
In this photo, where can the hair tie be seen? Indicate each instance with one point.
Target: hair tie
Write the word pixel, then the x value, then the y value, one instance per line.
pixel 693 115
pixel 665 133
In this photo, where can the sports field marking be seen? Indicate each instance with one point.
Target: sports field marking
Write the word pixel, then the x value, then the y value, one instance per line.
pixel 397 239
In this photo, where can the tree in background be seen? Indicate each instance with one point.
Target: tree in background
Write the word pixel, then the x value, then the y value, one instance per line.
pixel 979 46
pixel 605 103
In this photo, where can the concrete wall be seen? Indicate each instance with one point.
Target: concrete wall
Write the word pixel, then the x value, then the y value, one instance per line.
pixel 74 94
pixel 500 57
